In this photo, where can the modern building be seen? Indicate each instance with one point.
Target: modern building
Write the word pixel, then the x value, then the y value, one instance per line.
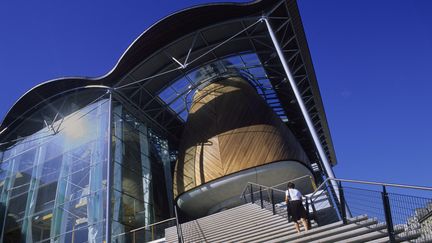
pixel 204 101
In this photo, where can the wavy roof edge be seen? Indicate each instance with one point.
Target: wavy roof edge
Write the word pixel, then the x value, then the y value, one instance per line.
pixel 156 37
pixel 140 46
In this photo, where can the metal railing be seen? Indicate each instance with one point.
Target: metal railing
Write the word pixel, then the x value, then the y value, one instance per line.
pixel 178 226
pixel 306 178
pixel 412 213
pixel 267 197
pixel 273 197
pixel 145 233
pixel 282 186
pixel 398 210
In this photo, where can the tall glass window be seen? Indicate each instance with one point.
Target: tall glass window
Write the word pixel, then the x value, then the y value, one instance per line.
pixel 141 183
pixel 53 178
pixel 53 174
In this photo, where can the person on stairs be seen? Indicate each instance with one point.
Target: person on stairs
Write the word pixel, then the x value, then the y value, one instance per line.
pixel 293 199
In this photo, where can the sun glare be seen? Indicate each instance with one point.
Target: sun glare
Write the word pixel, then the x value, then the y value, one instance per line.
pixel 75 128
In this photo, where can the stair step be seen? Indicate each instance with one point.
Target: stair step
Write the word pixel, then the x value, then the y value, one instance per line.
pixel 336 231
pixel 401 236
pixel 239 218
pixel 235 229
pixel 211 224
pixel 228 212
pixel 285 237
pixel 258 235
pixel 226 221
pixel 374 235
pixel 349 236
pixel 234 216
pixel 413 236
pixel 206 228
pixel 248 234
pixel 250 223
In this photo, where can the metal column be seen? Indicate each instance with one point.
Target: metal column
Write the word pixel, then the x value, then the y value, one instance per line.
pixel 109 173
pixel 299 99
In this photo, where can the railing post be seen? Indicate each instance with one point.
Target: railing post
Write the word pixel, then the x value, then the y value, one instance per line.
pixel 273 204
pixel 388 216
pixel 261 198
pixel 307 213
pixel 342 204
pixel 333 200
pixel 251 192
pixel 179 229
pixel 314 211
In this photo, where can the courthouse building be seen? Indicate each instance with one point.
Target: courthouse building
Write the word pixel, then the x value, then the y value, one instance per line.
pixel 204 101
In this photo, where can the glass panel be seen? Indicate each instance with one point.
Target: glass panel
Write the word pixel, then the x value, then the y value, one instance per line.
pixel 251 59
pixel 4 166
pixel 181 85
pixel 178 96
pixel 139 181
pixel 53 181
pixel 168 95
pixel 178 105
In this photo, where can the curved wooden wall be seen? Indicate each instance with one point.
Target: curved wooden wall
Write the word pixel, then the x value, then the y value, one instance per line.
pixel 230 128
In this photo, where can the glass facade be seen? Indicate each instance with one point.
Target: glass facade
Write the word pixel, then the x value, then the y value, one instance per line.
pixel 53 175
pixel 141 177
pixel 179 95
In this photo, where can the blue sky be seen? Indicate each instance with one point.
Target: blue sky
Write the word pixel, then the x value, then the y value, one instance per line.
pixel 373 61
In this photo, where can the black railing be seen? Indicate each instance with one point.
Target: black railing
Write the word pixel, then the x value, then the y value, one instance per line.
pixel 178 226
pixel 273 198
pixel 269 198
pixel 402 211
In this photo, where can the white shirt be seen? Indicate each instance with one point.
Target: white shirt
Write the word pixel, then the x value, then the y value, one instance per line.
pixel 294 194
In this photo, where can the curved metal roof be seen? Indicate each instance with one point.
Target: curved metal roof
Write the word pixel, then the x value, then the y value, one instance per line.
pixel 196 36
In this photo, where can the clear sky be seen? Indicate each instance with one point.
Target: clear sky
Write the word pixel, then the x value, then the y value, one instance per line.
pixel 373 61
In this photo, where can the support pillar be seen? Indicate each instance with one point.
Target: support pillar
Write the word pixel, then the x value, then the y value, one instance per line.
pixel 299 99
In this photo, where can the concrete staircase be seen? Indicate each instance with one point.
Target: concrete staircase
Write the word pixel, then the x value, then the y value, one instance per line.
pixel 250 223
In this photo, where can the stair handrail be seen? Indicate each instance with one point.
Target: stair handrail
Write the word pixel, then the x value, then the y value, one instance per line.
pixel 341 205
pixel 270 190
pixel 344 209
pixel 370 183
pixel 295 179
pixel 178 226
pixel 259 185
pixel 264 186
pixel 341 180
pixel 384 184
pixel 145 226
pixel 273 187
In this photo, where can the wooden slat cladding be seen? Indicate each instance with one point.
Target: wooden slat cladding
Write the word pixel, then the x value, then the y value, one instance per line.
pixel 230 128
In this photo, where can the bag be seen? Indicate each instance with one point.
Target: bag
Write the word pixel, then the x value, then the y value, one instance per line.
pixel 289 211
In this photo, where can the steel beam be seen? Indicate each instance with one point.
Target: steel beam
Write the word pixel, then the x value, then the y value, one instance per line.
pixel 299 99
pixel 109 173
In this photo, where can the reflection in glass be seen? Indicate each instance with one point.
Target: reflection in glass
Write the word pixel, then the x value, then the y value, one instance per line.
pixel 53 177
pixel 139 181
pixel 52 181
